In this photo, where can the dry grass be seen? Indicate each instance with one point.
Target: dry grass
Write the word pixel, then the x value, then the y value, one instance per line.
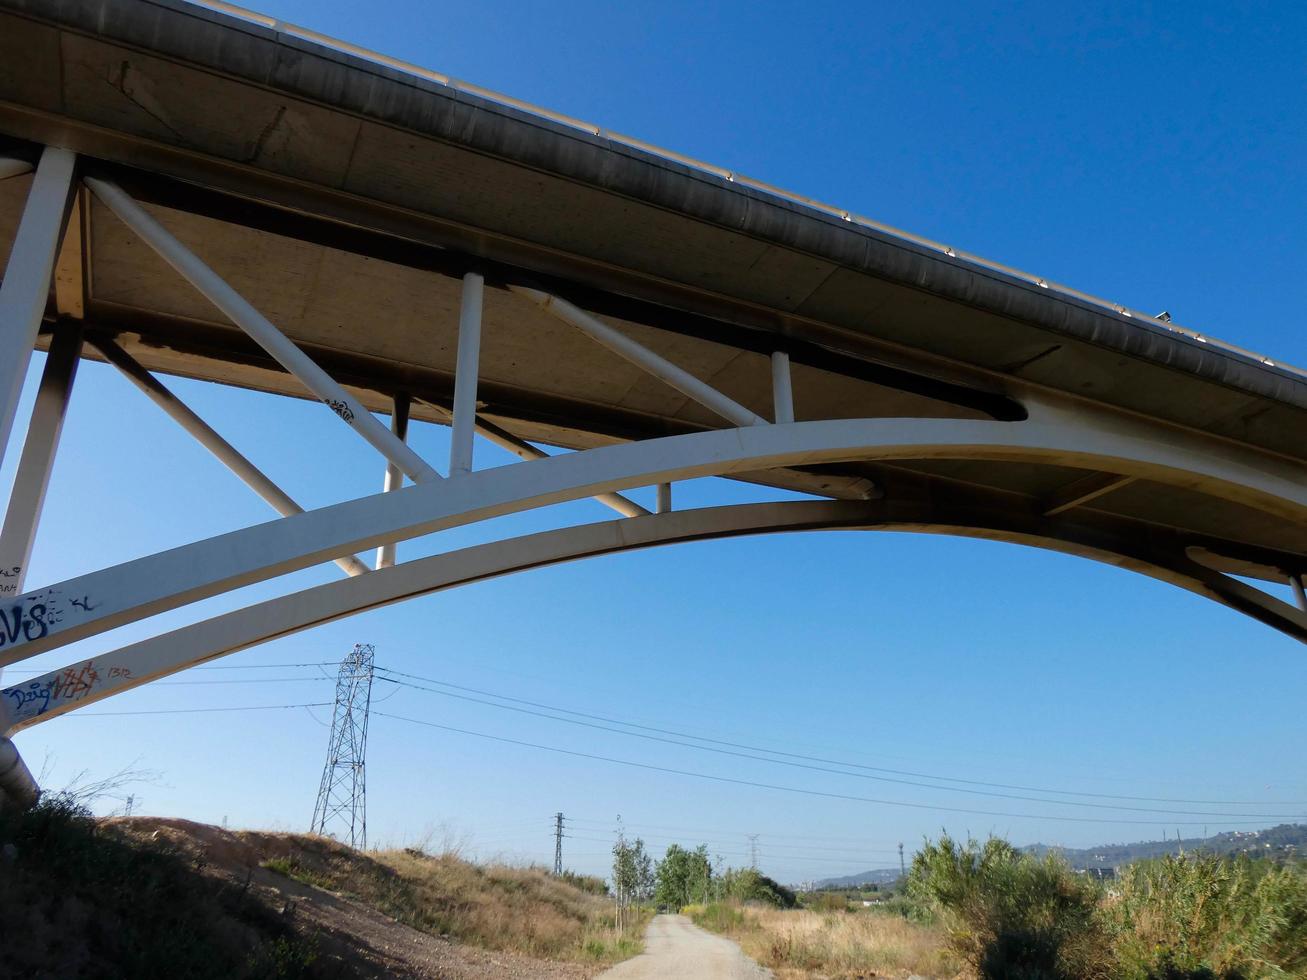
pixel 837 945
pixel 518 909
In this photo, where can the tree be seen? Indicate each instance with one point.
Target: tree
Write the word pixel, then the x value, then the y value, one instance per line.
pixel 683 876
pixel 632 875
pixel 751 885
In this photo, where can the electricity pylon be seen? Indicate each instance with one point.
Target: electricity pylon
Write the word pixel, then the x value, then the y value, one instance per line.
pixel 341 810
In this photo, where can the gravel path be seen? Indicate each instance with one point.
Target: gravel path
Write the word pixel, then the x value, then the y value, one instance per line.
pixel 677 949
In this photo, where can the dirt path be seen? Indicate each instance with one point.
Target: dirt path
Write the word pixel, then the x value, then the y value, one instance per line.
pixel 677 949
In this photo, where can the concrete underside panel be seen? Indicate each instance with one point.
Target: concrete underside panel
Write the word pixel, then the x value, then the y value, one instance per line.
pixel 183 102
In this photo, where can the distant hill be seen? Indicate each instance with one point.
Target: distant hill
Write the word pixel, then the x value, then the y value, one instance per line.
pixel 877 876
pixel 1286 840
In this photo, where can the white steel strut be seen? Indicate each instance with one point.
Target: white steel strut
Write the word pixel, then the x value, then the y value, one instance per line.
pixel 639 355
pixel 26 285
pixel 27 498
pixel 225 452
pixel 254 323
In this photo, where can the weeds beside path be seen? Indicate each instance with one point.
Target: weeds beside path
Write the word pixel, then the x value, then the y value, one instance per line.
pixel 837 945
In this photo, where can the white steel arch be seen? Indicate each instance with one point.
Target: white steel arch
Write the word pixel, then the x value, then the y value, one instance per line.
pixel 57 692
pixel 53 616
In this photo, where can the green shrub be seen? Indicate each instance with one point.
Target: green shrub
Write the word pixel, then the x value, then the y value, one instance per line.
pixel 829 902
pixel 586 883
pixel 1198 916
pixel 751 885
pixel 717 916
pixel 1009 915
pixel 1194 917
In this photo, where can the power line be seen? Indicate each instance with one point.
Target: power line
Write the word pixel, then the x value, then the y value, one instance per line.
pixel 792 789
pixel 717 844
pixel 191 711
pixel 311 663
pixel 241 680
pixel 780 859
pixel 837 762
pixel 725 833
pixel 810 766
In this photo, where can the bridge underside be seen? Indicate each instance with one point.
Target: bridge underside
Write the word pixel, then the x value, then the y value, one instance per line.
pixel 185 193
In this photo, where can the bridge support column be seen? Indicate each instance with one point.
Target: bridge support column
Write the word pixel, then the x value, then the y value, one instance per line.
pixel 781 389
pixel 465 375
pixel 37 459
pixel 664 504
pixel 17 785
pixel 26 286
pixel 394 478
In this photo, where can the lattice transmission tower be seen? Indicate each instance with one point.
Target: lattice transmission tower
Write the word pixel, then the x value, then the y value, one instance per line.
pixel 558 844
pixel 341 810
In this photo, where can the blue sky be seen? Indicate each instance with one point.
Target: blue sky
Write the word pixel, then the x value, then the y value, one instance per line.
pixel 1149 154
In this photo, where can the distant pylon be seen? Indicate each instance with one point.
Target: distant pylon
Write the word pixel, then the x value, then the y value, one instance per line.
pixel 753 851
pixel 558 843
pixel 342 807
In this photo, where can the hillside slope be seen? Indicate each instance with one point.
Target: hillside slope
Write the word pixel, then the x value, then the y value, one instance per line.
pixel 146 896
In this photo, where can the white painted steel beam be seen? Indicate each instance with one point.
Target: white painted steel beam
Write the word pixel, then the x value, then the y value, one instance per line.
pixel 11 167
pixel 203 433
pixel 781 388
pixel 639 355
pixel 254 323
pixel 26 286
pixel 27 498
pixel 111 597
pixel 394 478
pixel 525 451
pixel 467 366
pixel 42 698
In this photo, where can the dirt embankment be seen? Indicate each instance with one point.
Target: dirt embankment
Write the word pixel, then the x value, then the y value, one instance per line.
pixel 295 873
pixel 149 896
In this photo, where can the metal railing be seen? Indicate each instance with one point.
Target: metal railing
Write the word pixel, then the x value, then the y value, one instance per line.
pixel 345 47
